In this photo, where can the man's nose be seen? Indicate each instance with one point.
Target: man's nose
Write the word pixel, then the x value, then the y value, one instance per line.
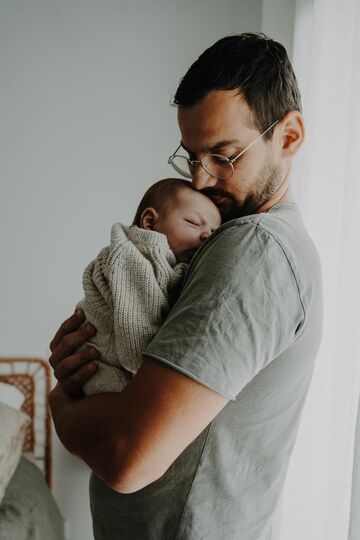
pixel 202 179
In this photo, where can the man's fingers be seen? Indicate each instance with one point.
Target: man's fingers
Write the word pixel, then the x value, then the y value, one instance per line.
pixel 71 366
pixel 70 343
pixel 73 363
pixel 70 325
pixel 73 384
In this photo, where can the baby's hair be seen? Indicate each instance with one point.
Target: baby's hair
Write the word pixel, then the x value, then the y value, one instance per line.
pixel 156 195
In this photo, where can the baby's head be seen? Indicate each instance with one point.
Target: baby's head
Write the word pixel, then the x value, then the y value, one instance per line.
pixel 186 216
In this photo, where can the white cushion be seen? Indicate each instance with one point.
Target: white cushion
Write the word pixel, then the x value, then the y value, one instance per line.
pixel 12 432
pixel 11 396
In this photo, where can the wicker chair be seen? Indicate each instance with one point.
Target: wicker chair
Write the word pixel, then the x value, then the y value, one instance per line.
pixel 32 376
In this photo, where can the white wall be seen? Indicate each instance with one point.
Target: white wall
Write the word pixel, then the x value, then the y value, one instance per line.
pixel 86 126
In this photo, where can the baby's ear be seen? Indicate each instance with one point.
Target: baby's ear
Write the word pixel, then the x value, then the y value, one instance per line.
pixel 149 218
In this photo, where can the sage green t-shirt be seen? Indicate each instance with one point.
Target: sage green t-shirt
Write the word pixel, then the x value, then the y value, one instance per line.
pixel 248 325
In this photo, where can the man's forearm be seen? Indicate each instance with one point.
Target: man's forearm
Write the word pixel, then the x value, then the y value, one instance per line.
pixel 86 429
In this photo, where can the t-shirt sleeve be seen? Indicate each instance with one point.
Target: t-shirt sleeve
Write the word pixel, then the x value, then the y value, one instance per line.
pixel 239 309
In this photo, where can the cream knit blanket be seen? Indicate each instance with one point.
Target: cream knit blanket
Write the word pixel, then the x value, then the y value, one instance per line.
pixel 128 293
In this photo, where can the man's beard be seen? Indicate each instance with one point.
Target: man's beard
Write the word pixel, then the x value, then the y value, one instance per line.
pixel 267 183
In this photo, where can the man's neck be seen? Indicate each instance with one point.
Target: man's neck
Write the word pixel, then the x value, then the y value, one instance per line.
pixel 284 194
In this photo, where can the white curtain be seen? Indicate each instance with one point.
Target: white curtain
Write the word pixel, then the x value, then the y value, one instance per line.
pixel 354 521
pixel 316 500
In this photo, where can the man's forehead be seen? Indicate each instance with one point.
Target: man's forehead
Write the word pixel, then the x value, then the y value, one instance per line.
pixel 221 118
pixel 213 147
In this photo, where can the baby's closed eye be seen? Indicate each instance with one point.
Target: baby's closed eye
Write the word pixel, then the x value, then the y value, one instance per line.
pixel 192 222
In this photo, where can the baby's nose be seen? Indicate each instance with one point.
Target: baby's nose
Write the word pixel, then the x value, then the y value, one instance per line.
pixel 204 235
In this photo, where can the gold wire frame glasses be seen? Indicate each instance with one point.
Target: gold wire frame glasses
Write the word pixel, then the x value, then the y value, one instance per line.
pixel 216 165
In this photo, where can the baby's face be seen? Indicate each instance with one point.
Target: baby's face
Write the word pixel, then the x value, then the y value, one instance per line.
pixel 187 222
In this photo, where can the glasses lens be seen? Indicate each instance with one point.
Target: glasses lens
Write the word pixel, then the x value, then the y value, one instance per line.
pixel 217 165
pixel 182 166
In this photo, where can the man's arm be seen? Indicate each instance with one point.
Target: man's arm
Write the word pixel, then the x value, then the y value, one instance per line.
pixel 239 309
pixel 132 437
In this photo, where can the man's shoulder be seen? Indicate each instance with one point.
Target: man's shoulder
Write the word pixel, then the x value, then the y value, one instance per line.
pixel 243 236
pixel 281 227
pixel 274 246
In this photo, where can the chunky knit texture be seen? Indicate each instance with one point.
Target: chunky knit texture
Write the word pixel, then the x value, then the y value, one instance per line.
pixel 129 289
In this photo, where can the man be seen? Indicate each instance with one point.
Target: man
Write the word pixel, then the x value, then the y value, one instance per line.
pixel 212 415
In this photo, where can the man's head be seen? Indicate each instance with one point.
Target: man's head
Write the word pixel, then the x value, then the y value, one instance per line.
pixel 234 92
pixel 186 216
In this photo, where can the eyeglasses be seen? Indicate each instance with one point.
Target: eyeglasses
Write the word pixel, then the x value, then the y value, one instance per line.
pixel 214 164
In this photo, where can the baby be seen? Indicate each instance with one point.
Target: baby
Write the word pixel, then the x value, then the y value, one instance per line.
pixel 131 285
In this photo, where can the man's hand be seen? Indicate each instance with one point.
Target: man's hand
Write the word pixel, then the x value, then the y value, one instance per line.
pixel 71 367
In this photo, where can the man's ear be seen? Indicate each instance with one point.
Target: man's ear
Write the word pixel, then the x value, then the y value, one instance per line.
pixel 149 218
pixel 292 134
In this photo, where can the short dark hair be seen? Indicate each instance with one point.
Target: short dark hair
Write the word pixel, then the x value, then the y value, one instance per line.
pixel 255 64
pixel 156 195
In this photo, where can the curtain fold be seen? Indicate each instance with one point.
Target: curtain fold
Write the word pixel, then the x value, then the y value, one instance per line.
pixel 316 500
pixel 354 522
